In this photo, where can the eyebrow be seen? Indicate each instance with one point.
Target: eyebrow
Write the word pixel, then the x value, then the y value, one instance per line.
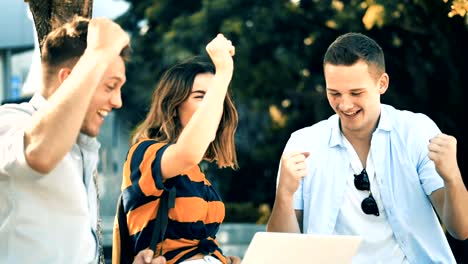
pixel 117 78
pixel 199 91
pixel 351 90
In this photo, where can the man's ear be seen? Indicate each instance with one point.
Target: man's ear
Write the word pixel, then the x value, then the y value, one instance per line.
pixel 383 83
pixel 63 74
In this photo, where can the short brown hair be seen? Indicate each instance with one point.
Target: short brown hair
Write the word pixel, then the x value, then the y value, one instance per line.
pixel 67 43
pixel 352 47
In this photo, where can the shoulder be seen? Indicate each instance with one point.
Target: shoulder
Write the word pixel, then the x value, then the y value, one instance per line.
pixel 411 131
pixel 148 143
pixel 408 122
pixel 406 115
pixel 313 137
pixel 16 110
pixel 15 117
pixel 146 148
pixel 321 128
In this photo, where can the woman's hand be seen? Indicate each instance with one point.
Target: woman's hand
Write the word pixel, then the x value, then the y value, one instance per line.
pixel 146 256
pixel 233 260
pixel 221 51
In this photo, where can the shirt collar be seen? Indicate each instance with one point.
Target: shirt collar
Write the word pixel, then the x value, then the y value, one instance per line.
pixel 336 139
pixel 385 122
pixel 335 135
pixel 87 142
pixel 38 101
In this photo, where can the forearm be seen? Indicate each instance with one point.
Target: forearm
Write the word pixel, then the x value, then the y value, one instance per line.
pixel 455 210
pixel 283 217
pixel 54 128
pixel 202 127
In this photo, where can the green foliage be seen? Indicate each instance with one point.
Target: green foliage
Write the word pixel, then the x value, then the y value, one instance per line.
pixel 241 212
pixel 278 84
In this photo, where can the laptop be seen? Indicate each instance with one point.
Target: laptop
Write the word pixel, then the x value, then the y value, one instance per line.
pixel 288 248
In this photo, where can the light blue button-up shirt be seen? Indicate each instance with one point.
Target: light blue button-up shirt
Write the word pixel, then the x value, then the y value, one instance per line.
pixel 405 174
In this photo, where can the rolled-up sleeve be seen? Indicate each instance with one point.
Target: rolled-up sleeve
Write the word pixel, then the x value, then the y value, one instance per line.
pixel 294 144
pixel 428 176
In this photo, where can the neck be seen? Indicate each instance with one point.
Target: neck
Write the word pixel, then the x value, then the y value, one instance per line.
pixel 361 144
pixel 48 89
pixel 363 135
pixel 361 141
pixel 359 135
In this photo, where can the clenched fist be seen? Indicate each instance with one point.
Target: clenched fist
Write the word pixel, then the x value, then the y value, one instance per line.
pixel 293 169
pixel 221 51
pixel 443 151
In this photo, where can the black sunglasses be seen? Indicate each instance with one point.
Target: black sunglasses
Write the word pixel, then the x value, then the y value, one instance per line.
pixel 368 205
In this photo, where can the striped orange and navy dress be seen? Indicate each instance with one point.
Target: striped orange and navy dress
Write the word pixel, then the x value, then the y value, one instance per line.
pixel 193 222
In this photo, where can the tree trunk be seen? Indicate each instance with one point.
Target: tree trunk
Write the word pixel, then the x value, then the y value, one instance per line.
pixel 49 14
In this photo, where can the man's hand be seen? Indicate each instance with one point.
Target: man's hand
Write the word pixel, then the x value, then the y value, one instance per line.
pixel 147 257
pixel 293 169
pixel 443 151
pixel 104 35
pixel 450 202
pixel 233 260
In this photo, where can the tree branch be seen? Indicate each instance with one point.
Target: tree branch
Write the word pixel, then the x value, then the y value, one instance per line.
pixel 49 14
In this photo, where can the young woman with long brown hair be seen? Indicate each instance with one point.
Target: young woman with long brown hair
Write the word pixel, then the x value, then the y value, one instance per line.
pixel 192 118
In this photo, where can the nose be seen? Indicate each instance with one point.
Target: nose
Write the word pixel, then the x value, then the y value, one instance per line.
pixel 116 100
pixel 345 104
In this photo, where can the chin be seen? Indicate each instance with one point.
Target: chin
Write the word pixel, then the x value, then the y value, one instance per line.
pixel 90 132
pixel 351 127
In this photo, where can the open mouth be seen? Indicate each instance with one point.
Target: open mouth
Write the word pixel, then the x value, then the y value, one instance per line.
pixel 351 114
pixel 103 113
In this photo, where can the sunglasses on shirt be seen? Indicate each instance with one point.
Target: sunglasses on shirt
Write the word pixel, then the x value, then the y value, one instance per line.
pixel 362 183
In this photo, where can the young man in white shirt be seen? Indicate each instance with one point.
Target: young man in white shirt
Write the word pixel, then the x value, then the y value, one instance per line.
pixel 49 151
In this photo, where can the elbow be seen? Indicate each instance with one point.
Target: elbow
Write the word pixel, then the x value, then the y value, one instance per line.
pixel 269 228
pixel 272 225
pixel 268 225
pixel 459 236
pixel 460 233
pixel 463 237
pixel 192 158
pixel 38 161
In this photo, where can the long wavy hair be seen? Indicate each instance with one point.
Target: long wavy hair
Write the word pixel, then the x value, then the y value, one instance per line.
pixel 163 124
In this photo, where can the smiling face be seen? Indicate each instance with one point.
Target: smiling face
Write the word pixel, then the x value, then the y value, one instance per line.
pixel 200 86
pixel 106 98
pixel 354 94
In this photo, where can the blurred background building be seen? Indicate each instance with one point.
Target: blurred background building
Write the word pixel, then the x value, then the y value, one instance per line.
pixel 16 48
pixel 19 51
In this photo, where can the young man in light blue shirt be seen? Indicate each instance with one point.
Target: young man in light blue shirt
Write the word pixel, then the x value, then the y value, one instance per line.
pixel 371 170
